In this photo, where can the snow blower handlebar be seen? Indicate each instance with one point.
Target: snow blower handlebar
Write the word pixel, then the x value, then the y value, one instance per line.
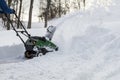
pixel 17 32
pixel 6 10
pixel 22 26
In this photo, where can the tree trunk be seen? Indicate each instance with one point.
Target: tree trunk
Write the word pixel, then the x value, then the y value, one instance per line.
pixel 46 12
pixel 19 14
pixel 84 2
pixel 78 1
pixel 8 24
pixel 59 8
pixel 30 14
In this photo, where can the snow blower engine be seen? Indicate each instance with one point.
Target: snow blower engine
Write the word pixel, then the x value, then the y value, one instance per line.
pixel 34 44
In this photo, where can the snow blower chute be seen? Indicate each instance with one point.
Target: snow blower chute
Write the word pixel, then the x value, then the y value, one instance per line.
pixel 34 44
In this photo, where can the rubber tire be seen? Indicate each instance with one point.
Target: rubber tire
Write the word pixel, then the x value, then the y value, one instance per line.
pixel 43 51
pixel 30 54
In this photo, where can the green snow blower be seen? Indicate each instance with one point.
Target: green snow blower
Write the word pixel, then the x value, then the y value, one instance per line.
pixel 34 45
pixel 37 45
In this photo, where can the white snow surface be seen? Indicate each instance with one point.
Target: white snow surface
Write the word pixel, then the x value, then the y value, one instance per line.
pixel 89 49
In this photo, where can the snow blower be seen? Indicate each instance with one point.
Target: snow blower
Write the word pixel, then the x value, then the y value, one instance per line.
pixel 34 45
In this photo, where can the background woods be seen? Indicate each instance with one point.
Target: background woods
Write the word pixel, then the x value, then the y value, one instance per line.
pixel 46 9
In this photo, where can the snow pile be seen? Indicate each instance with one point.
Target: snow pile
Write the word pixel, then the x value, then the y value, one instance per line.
pixel 89 47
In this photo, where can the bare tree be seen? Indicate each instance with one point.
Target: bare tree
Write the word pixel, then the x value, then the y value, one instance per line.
pixel 46 12
pixel 59 12
pixel 84 2
pixel 67 6
pixel 78 2
pixel 30 14
pixel 8 24
pixel 19 13
pixel 4 20
pixel 50 9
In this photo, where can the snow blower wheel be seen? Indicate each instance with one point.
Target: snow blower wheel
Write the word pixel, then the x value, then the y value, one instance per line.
pixel 44 51
pixel 30 54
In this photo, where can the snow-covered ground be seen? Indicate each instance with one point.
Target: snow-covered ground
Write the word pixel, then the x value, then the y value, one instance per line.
pixel 89 49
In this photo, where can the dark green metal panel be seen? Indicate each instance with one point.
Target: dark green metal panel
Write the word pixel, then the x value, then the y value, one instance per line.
pixel 46 43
